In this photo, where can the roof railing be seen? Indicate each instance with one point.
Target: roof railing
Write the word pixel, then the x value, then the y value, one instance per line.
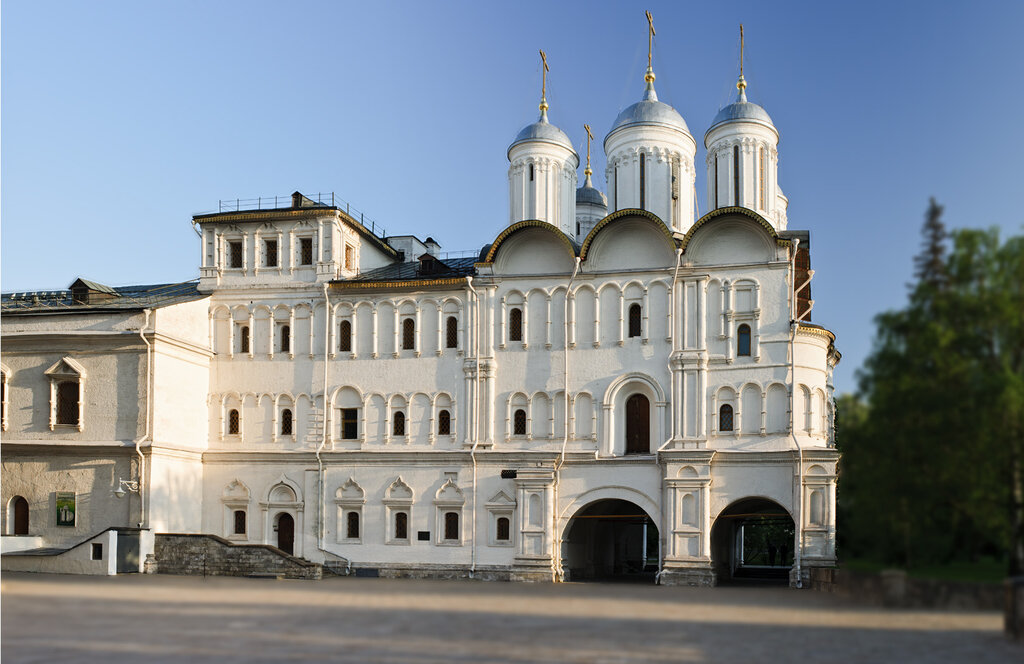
pixel 324 199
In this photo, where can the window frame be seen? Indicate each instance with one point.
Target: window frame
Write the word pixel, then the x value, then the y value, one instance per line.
pixel 517 430
pixel 452 332
pixel 271 259
pixel 722 413
pixel 244 533
pixel 399 421
pixel 515 324
pixel 233 423
pixel 743 333
pixel 408 333
pixel 63 371
pixel 343 420
pixel 444 422
pixel 306 241
pixel 287 417
pixel 345 338
pixel 635 318
pixel 236 254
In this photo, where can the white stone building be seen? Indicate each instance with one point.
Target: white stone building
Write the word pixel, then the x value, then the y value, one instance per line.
pixel 612 387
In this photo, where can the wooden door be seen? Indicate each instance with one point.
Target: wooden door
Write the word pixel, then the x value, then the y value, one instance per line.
pixel 20 516
pixel 638 425
pixel 286 533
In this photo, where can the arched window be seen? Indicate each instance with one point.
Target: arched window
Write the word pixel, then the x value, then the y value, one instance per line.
pixel 286 339
pixel 239 522
pixel 451 526
pixel 345 336
pixel 352 525
pixel 243 339
pixel 398 424
pixel 67 403
pixel 519 423
pixel 233 422
pixel 735 175
pixel 408 334
pixel 743 340
pixel 531 172
pixel 638 425
pixel 286 422
pixel 502 534
pixel 725 417
pixel 635 322
pixel 452 332
pixel 401 526
pixel 444 423
pixel 515 324
pixel 18 516
pixel 643 180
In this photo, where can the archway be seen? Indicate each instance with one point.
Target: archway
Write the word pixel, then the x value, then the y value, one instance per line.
pixel 611 539
pixel 752 542
pixel 18 516
pixel 286 533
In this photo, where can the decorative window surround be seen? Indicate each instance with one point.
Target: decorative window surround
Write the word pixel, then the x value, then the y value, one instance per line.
pixel 66 370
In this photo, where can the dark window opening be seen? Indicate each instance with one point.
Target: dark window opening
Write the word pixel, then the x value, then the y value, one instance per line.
pixel 736 175
pixel 515 324
pixel 716 180
pixel 286 339
pixel 235 254
pixel 345 337
pixel 638 425
pixel 635 322
pixel 444 423
pixel 286 422
pixel 352 525
pixel 519 423
pixel 452 332
pixel 725 417
pixel 743 340
pixel 239 522
pixel 401 526
pixel 451 525
pixel 243 335
pixel 67 403
pixel 233 422
pixel 271 253
pixel 305 251
pixel 20 516
pixel 97 551
pixel 408 334
pixel 531 172
pixel 349 425
pixel 643 180
pixel 398 424
pixel 502 534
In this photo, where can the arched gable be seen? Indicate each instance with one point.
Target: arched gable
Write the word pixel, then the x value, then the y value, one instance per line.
pixel 629 239
pixel 531 247
pixel 731 235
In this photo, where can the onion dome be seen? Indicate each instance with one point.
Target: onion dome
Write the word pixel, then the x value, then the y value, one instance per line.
pixel 742 110
pixel 542 131
pixel 588 194
pixel 649 111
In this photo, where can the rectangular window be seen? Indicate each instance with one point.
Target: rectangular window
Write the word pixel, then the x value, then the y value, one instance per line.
pixel 349 424
pixel 97 551
pixel 350 257
pixel 270 253
pixel 235 254
pixel 67 403
pixel 305 251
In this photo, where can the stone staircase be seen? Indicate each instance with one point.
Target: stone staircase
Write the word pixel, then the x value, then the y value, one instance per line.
pixel 210 555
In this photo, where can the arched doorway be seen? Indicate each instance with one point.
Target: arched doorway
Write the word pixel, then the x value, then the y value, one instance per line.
pixel 611 539
pixel 638 425
pixel 285 532
pixel 18 516
pixel 752 542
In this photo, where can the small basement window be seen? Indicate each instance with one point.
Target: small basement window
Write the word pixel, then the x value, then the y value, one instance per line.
pixel 97 550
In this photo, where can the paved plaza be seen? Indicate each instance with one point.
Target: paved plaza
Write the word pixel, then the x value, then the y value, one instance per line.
pixel 51 618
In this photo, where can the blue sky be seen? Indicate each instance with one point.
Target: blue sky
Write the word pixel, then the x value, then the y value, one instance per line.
pixel 120 120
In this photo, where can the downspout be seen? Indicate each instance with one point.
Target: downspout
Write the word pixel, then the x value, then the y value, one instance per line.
pixel 476 416
pixel 321 498
pixel 556 540
pixel 672 404
pixel 798 511
pixel 145 434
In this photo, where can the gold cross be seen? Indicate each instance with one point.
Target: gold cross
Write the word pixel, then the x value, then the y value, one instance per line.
pixel 544 74
pixel 741 50
pixel 650 36
pixel 590 137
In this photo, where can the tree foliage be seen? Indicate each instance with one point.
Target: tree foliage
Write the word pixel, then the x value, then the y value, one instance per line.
pixel 933 441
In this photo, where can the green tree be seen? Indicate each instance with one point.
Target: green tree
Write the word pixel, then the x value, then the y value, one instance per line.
pixel 932 444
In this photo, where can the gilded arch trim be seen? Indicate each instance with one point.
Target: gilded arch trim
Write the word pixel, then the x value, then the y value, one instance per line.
pixel 615 216
pixel 742 211
pixel 520 225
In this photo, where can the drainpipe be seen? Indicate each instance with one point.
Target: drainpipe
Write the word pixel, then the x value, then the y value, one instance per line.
pixel 476 417
pixel 798 511
pixel 321 498
pixel 556 540
pixel 145 434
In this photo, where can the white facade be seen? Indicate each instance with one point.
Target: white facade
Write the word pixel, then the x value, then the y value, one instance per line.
pixel 466 416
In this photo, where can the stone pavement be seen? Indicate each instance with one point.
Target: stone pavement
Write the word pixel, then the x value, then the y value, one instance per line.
pixel 154 619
